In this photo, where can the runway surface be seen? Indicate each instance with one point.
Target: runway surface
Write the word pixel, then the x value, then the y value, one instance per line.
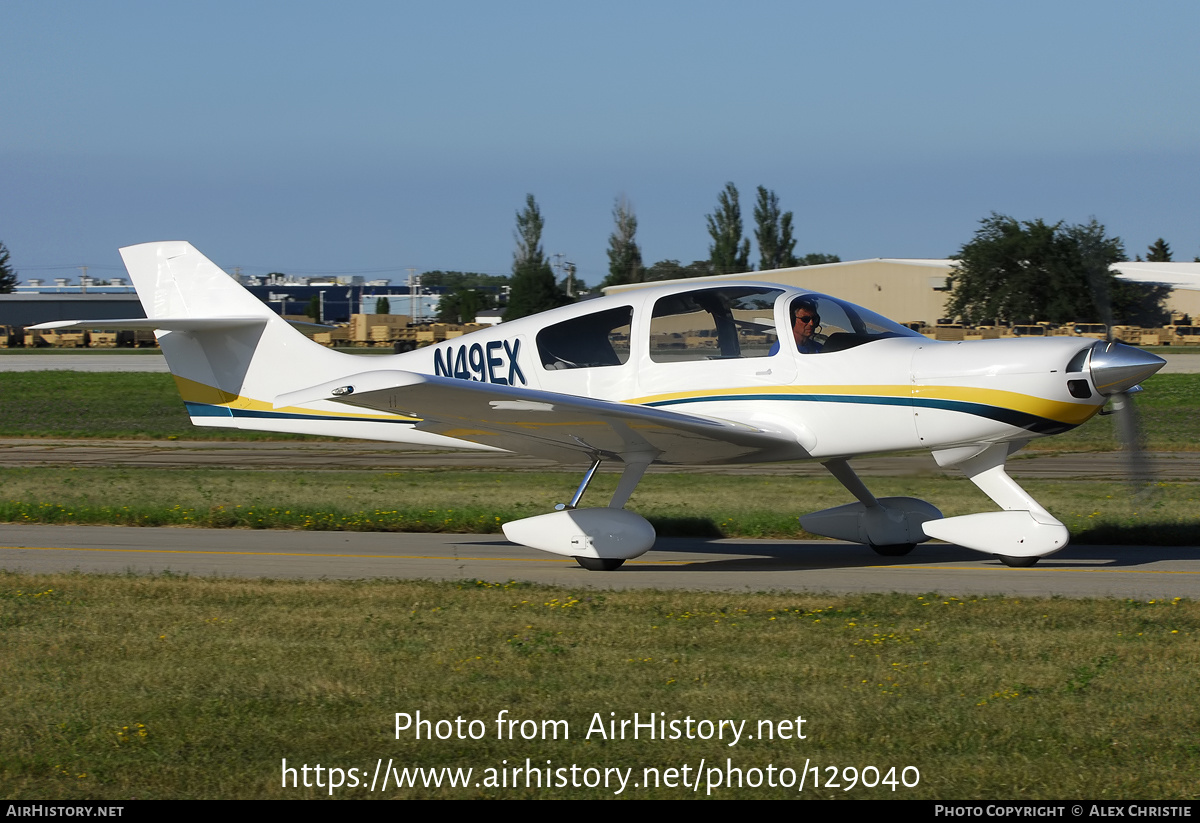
pixel 1138 572
pixel 132 362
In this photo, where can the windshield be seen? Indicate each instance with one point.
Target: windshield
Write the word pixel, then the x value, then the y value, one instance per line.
pixel 823 324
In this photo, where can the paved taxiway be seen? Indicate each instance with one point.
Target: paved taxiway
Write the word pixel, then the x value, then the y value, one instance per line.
pixel 89 362
pixel 1138 572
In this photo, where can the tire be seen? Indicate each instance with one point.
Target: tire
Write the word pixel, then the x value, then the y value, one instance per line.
pixel 895 550
pixel 599 564
pixel 1018 562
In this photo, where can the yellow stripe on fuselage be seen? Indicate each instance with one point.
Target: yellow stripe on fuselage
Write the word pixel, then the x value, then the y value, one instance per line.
pixel 1057 410
pixel 193 391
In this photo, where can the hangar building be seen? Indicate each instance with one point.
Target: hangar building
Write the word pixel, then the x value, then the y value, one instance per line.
pixel 915 290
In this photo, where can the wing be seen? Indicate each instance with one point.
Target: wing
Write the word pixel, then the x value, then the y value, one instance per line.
pixel 546 424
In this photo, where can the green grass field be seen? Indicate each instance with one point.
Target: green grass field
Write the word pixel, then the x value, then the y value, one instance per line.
pixel 109 405
pixel 167 687
pixel 1097 510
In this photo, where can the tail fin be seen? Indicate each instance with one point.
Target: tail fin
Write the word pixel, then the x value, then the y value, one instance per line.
pixel 228 351
pixel 173 280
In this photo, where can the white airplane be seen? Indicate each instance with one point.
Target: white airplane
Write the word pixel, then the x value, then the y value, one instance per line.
pixel 686 373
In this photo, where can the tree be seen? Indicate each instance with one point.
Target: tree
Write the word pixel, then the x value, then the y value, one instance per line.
pixel 533 286
pixel 817 259
pixel 773 230
pixel 1025 271
pixel 464 279
pixel 459 306
pixel 1012 271
pixel 624 256
pixel 8 277
pixel 729 253
pixel 383 306
pixel 672 270
pixel 1159 252
pixel 313 309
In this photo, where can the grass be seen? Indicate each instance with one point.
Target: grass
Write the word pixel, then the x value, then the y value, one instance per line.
pixel 147 406
pixel 1168 413
pixel 166 687
pixel 108 405
pixel 1096 511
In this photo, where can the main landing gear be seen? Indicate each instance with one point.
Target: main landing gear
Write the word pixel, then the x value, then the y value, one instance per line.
pixel 599 539
pixel 892 526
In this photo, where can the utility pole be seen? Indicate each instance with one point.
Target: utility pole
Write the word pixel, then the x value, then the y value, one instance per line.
pixel 570 267
pixel 83 279
pixel 559 265
pixel 414 289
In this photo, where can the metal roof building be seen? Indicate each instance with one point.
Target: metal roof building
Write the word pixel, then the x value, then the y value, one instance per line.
pixel 909 290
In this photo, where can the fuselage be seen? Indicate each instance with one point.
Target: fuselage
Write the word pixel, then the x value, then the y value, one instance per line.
pixel 724 351
pixel 717 351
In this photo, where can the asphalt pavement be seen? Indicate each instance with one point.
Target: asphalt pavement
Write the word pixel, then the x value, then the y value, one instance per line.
pixel 1138 572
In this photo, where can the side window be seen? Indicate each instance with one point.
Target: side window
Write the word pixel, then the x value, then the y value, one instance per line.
pixel 599 339
pixel 714 324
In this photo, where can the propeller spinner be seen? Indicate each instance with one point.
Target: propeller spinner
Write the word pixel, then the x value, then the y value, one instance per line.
pixel 1117 368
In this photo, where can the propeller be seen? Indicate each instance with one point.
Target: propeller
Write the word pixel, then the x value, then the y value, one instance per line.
pixel 1117 369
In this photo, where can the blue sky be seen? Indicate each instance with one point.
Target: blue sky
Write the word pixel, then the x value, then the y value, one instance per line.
pixel 374 136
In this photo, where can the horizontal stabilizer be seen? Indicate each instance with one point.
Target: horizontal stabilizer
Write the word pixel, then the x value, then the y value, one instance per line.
pixel 185 324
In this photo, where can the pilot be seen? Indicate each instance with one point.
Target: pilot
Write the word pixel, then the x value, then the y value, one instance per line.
pixel 805 322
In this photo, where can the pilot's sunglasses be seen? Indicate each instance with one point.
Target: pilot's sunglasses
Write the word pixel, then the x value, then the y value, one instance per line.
pixel 802 319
